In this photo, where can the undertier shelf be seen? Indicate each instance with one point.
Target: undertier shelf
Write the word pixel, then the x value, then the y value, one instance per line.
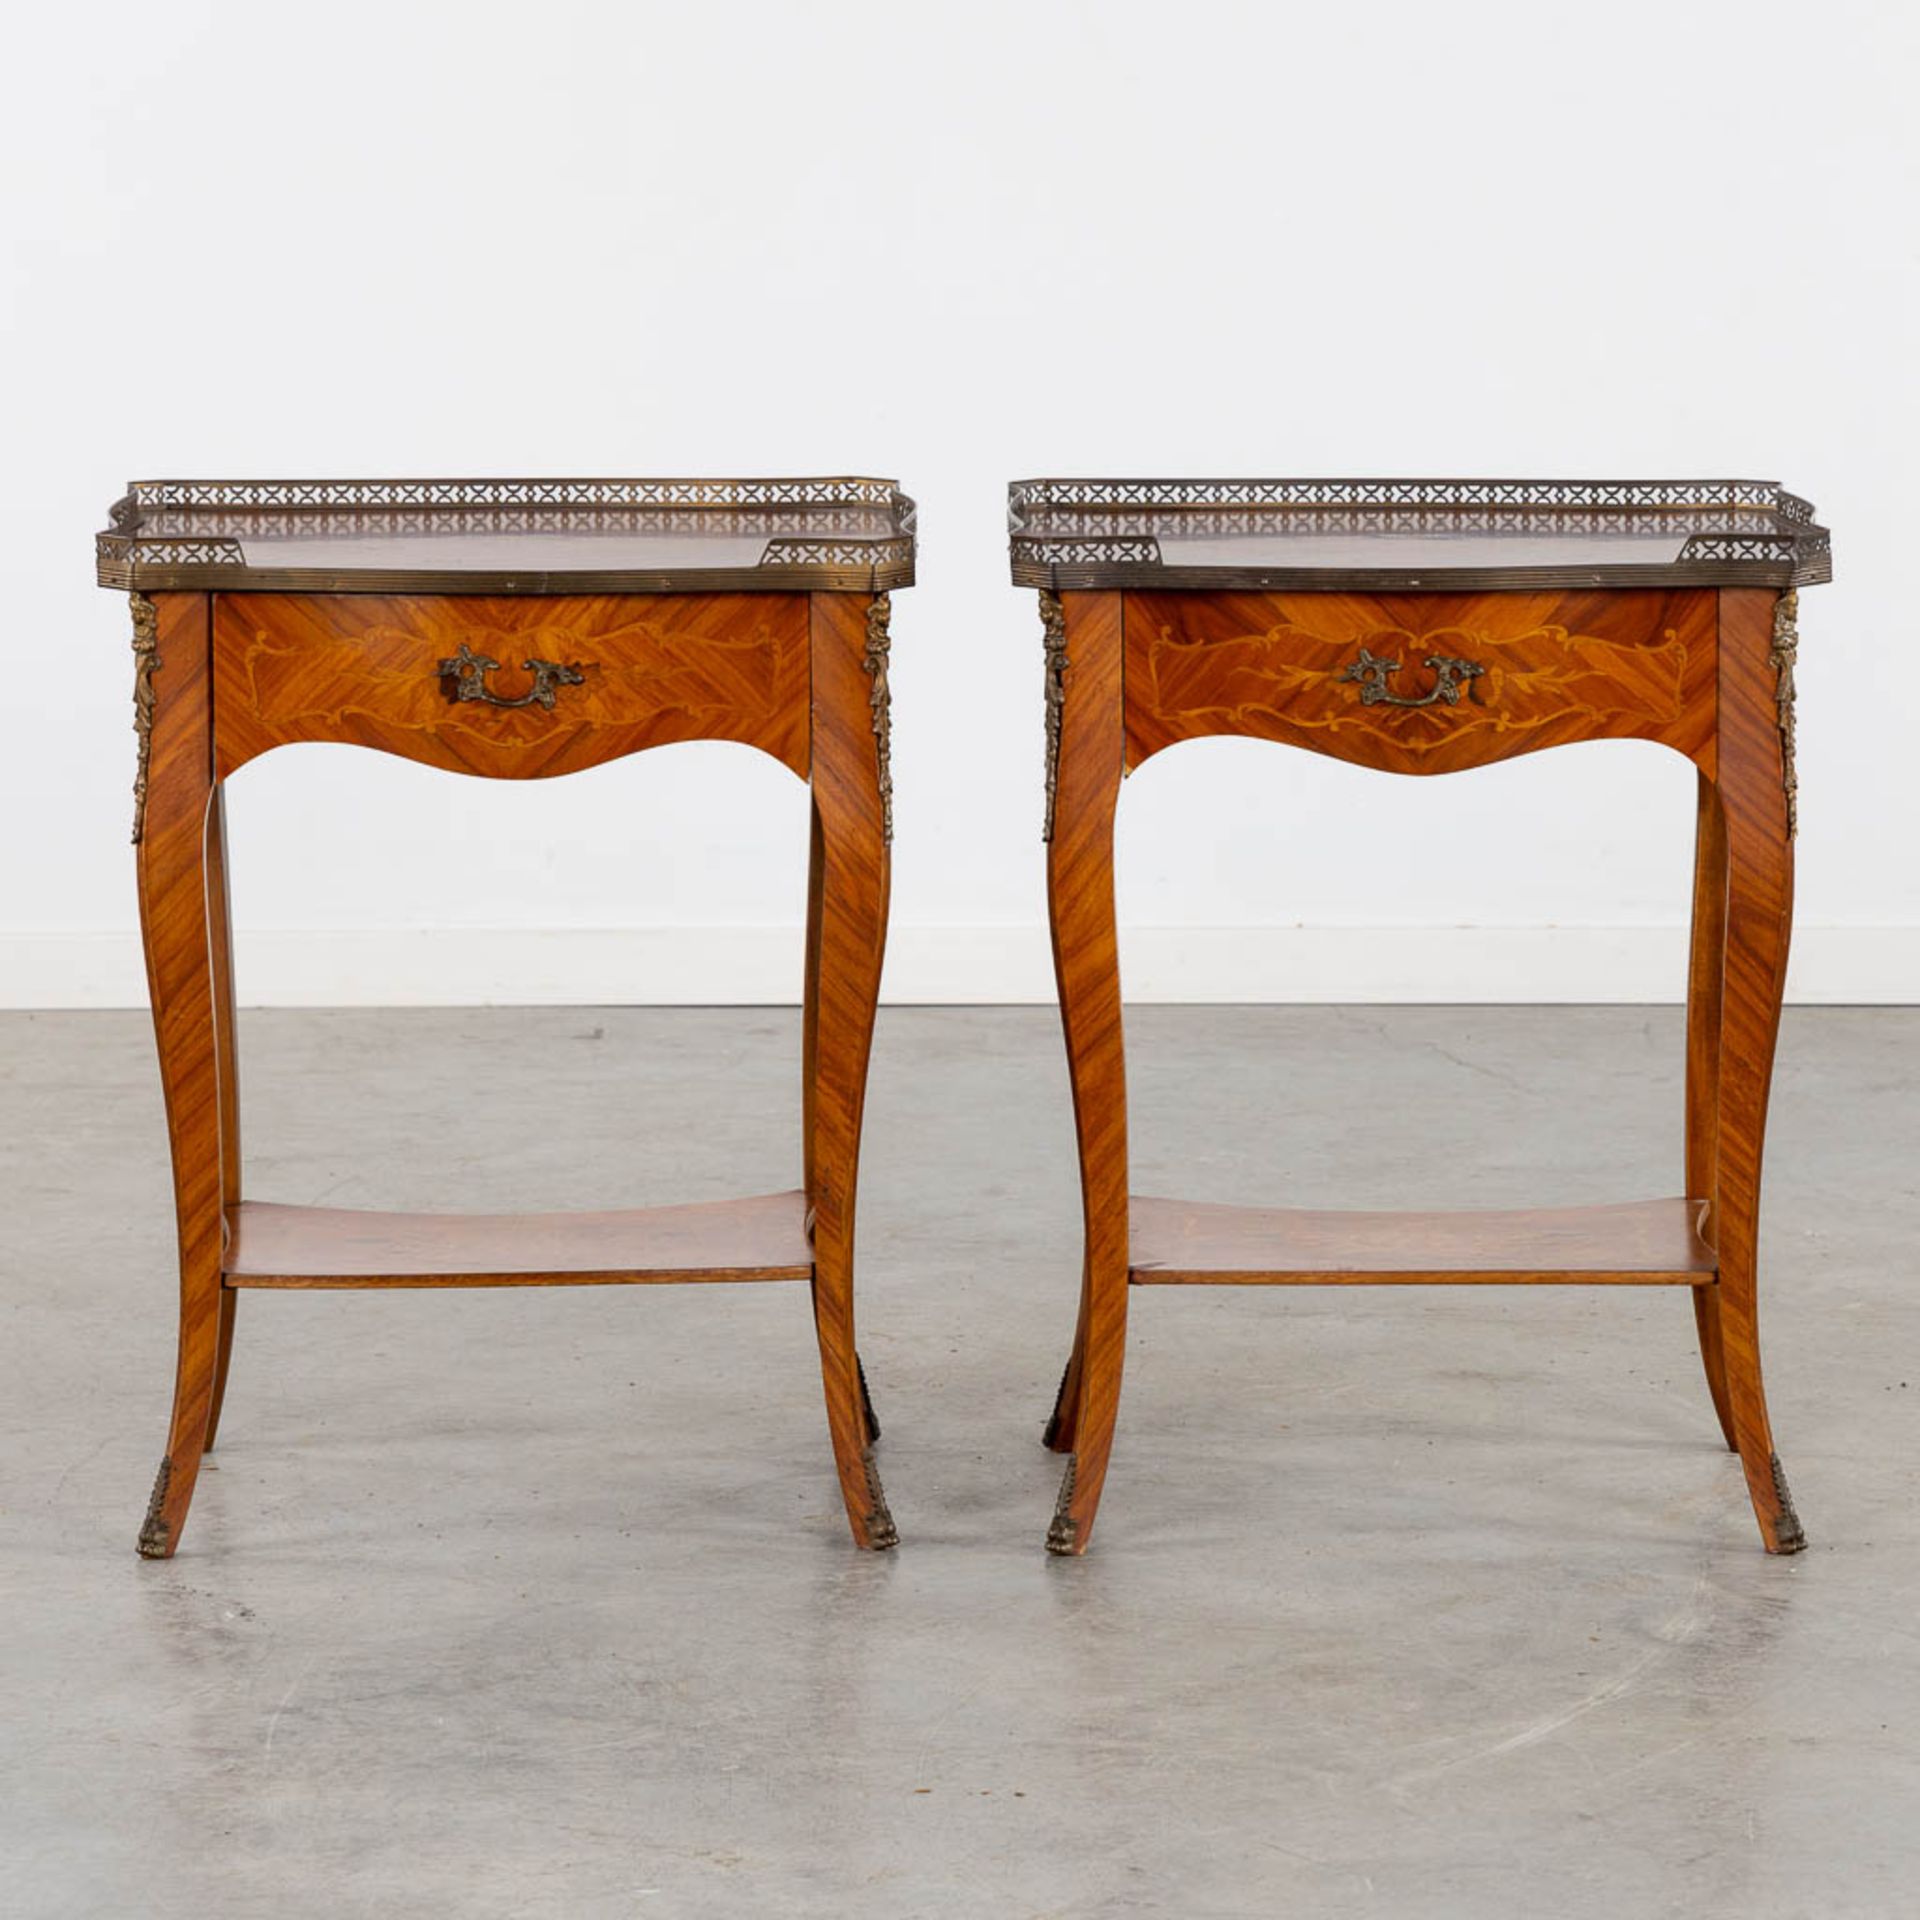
pixel 764 1238
pixel 1640 1243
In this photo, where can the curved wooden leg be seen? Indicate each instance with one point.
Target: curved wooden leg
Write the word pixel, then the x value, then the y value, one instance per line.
pixel 1755 735
pixel 1713 1357
pixel 847 924
pixel 1706 983
pixel 220 949
pixel 1085 702
pixel 810 992
pixel 172 831
pixel 809 1053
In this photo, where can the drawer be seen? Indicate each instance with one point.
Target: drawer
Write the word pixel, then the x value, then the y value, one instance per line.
pixel 513 687
pixel 1422 683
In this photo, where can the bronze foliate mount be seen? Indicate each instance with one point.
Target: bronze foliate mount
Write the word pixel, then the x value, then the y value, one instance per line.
pixel 468 672
pixel 1053 621
pixel 146 660
pixel 1063 1534
pixel 881 1532
pixel 1451 677
pixel 880 701
pixel 154 1531
pixel 1782 655
pixel 1789 1534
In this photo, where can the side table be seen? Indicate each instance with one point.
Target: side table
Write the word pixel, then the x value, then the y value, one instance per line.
pixel 1420 626
pixel 514 630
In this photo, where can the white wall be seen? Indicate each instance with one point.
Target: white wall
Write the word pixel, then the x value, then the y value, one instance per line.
pixel 957 244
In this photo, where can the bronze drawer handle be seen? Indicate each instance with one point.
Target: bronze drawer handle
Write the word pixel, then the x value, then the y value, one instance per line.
pixel 1451 678
pixel 468 671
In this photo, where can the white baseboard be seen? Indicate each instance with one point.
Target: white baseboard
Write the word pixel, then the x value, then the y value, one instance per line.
pixel 721 966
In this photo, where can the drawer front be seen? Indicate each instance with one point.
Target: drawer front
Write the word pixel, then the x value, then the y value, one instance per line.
pixel 1422 683
pixel 513 688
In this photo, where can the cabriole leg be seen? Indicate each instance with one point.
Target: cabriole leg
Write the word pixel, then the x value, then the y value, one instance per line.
pixel 1086 745
pixel 847 924
pixel 171 826
pixel 1706 992
pixel 1756 790
pixel 809 1050
pixel 227 1061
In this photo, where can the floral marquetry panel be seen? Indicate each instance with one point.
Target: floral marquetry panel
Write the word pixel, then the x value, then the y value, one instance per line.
pixel 514 688
pixel 1421 683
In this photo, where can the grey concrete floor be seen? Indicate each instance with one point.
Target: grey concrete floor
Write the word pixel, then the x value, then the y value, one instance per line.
pixel 1415 1602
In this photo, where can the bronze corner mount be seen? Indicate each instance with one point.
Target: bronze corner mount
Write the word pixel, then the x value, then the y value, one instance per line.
pixel 881 1532
pixel 880 701
pixel 1064 1533
pixel 154 1531
pixel 1053 621
pixel 1789 1535
pixel 1785 650
pixel 146 659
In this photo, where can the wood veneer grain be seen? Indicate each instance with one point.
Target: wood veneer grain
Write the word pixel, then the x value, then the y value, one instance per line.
pixel 1554 668
pixel 655 669
pixel 764 1238
pixel 174 868
pixel 1086 961
pixel 1176 1242
pixel 225 679
pixel 1752 783
pixel 847 932
pixel 1707 672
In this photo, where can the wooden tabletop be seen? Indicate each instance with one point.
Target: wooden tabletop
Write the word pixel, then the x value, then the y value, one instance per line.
pixel 1412 535
pixel 510 536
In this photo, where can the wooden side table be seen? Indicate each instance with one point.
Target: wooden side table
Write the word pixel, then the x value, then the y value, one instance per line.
pixel 516 630
pixel 1422 627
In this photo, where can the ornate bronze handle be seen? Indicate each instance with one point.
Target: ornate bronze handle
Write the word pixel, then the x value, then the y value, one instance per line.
pixel 1451 678
pixel 468 671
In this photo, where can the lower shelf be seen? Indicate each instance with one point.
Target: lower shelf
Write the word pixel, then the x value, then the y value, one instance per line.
pixel 1643 1243
pixel 759 1239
